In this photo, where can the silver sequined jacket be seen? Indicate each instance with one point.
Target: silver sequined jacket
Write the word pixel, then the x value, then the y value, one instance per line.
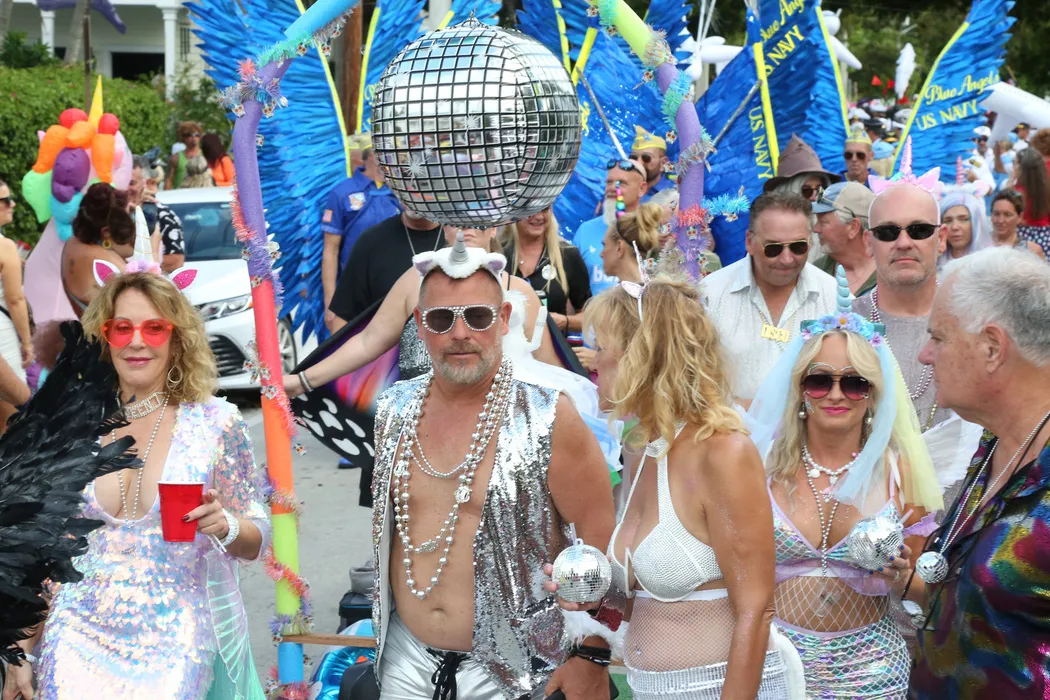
pixel 518 635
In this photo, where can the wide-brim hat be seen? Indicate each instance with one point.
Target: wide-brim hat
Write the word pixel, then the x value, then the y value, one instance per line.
pixel 796 159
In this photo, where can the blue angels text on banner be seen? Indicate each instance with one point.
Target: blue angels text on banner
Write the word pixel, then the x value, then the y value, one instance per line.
pixel 804 85
pixel 947 111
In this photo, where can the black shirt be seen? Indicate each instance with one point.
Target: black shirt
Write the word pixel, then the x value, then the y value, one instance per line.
pixel 378 259
pixel 575 274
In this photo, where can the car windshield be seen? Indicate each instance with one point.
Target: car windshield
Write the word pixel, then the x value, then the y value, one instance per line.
pixel 207 228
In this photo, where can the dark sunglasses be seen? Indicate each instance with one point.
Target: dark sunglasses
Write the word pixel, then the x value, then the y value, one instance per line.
pixel 644 157
pixel 850 155
pixel 773 250
pixel 854 387
pixel 887 233
pixel 808 191
pixel 982 139
pixel 626 165
pixel 119 332
pixel 441 319
pixel 8 200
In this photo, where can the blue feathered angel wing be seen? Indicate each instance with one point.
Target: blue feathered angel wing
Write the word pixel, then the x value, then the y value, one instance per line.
pixel 804 88
pixel 743 157
pixel 394 25
pixel 947 111
pixel 303 152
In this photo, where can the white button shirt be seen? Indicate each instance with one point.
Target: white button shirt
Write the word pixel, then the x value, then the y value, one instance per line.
pixel 739 311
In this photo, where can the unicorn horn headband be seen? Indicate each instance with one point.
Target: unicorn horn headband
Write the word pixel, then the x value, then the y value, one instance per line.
pixel 844 319
pixel 930 181
pixel 459 261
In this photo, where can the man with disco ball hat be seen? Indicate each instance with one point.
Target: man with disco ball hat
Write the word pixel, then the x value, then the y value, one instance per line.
pixel 476 126
pixel 987 569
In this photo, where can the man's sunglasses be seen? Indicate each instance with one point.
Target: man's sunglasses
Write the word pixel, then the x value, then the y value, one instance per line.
pixel 854 387
pixel 441 319
pixel 8 200
pixel 625 165
pixel 773 250
pixel 644 157
pixel 808 192
pixel 859 155
pixel 119 332
pixel 887 233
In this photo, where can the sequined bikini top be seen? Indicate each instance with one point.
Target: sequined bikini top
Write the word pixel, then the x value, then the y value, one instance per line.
pixel 793 548
pixel 670 563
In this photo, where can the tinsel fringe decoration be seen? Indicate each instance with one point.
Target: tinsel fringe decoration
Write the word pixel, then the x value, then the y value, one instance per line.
pixel 657 51
pixel 299 45
pixel 677 93
pixel 302 621
pixel 258 252
pixel 260 373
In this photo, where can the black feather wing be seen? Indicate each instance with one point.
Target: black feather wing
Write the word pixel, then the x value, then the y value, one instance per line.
pixel 49 453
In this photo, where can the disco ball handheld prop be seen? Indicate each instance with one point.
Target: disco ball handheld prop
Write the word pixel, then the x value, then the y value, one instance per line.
pixel 583 573
pixel 476 126
pixel 874 540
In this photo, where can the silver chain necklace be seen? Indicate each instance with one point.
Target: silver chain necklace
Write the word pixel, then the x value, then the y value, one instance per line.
pixel 827 601
pixel 138 478
pixel 496 401
pixel 927 372
pixel 932 567
pixel 437 241
pixel 141 409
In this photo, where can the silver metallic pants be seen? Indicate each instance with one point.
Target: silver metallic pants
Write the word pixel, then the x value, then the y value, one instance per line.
pixel 407 668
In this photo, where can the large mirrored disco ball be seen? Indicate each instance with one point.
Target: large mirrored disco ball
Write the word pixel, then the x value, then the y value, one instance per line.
pixel 476 126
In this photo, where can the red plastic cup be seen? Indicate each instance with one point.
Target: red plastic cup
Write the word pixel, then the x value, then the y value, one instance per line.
pixel 176 500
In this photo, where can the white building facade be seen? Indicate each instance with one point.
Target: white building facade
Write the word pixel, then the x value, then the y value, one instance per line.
pixel 158 40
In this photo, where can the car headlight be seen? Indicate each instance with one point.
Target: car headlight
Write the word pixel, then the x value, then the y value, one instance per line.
pixel 226 307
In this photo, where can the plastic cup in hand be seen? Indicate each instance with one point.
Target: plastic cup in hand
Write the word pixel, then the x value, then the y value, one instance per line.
pixel 176 500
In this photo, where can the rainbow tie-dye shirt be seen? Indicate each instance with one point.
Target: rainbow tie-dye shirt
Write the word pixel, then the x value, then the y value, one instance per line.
pixel 988 632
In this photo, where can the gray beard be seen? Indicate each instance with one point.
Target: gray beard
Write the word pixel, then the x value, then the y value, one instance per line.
pixel 609 210
pixel 470 375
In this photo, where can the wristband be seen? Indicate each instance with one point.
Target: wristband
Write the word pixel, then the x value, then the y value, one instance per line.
pixel 304 382
pixel 30 658
pixel 235 529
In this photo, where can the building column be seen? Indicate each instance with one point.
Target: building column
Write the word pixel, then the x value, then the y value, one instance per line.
pixel 171 24
pixel 47 29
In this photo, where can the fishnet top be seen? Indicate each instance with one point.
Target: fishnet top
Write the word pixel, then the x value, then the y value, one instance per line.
pixel 848 598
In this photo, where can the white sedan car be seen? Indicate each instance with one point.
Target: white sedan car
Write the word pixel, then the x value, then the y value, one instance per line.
pixel 222 291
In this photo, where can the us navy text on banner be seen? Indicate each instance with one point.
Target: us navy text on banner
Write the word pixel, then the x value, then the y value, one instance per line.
pixel 949 113
pixel 786 44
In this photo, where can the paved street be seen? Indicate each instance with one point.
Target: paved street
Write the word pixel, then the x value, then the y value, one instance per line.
pixel 335 534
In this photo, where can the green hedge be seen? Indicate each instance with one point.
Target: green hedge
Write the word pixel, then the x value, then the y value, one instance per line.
pixel 32 98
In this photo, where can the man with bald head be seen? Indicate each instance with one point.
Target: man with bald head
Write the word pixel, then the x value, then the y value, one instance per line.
pixel 905 236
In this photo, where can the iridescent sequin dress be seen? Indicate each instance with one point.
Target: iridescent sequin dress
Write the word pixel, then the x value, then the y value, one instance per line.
pixel 158 620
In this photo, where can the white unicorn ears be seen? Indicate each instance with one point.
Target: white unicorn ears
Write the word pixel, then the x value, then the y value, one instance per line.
pixel 459 261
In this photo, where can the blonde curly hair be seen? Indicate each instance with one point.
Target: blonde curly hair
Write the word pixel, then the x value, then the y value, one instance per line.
pixel 190 352
pixel 672 366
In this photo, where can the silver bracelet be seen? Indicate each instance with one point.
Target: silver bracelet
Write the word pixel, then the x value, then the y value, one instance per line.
pixel 30 658
pixel 304 382
pixel 235 529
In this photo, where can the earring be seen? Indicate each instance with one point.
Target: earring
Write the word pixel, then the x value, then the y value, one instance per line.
pixel 106 244
pixel 172 382
pixel 802 412
pixel 868 418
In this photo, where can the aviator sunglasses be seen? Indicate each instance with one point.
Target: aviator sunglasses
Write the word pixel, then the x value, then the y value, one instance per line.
pixel 119 332
pixel 441 319
pixel 887 233
pixel 854 387
pixel 850 155
pixel 773 250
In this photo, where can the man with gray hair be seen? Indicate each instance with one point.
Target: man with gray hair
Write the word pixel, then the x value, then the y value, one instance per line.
pixel 842 219
pixel 905 236
pixel 987 569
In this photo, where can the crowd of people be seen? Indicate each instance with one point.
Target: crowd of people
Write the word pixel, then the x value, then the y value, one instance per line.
pixel 784 522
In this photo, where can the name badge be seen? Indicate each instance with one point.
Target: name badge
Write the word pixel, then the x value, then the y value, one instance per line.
pixel 781 335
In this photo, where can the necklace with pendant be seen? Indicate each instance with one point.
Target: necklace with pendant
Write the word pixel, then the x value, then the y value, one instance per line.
pixel 814 469
pixel 496 401
pixel 826 600
pixel 932 566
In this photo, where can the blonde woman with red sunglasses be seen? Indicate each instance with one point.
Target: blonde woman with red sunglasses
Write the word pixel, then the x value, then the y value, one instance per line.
pixel 153 617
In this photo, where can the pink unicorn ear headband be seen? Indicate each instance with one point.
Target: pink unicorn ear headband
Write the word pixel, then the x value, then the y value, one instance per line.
pixel 142 260
pixel 930 181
